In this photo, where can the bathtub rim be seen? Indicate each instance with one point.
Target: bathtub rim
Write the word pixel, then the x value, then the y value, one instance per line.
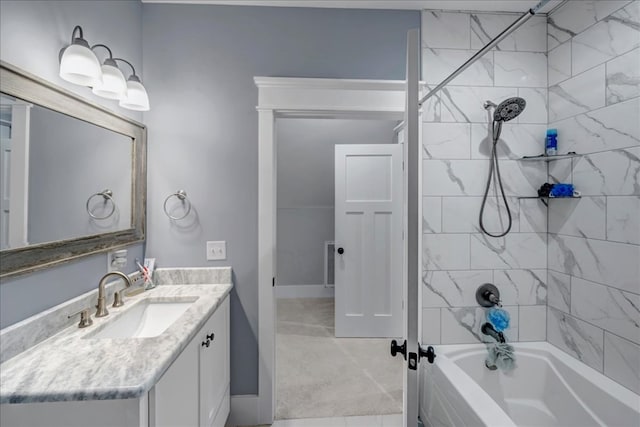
pixel 453 352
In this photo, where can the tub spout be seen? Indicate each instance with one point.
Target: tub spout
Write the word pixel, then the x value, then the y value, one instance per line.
pixel 488 329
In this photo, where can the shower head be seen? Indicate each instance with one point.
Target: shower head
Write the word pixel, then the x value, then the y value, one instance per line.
pixel 509 109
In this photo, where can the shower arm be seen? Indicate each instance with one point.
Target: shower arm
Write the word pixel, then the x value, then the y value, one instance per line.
pixel 510 29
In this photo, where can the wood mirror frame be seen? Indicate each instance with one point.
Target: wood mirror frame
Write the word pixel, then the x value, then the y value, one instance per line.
pixel 25 86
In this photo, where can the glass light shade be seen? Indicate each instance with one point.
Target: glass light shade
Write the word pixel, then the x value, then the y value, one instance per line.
pixel 80 66
pixel 114 85
pixel 137 98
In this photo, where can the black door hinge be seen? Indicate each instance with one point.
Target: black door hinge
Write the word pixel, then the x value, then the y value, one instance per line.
pixel 273 282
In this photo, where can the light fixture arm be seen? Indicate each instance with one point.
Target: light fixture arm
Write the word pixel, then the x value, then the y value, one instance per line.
pixel 133 76
pixel 128 63
pixel 104 46
pixel 77 28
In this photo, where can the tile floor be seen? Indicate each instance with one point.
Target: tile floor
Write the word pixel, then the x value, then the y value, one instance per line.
pixel 319 376
pixel 394 420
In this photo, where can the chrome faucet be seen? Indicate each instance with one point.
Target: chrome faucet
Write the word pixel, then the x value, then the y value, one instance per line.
pixel 102 303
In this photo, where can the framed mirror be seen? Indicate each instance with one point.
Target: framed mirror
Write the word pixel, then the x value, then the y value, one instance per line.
pixel 72 175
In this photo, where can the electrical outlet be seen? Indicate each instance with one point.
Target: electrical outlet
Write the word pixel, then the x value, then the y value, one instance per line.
pixel 216 250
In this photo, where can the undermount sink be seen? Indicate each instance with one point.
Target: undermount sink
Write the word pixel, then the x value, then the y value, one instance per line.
pixel 146 319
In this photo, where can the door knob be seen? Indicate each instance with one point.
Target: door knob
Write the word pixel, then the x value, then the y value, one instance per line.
pixel 402 349
pixel 210 336
pixel 340 251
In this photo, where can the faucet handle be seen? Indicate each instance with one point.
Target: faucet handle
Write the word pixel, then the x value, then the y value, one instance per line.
pixel 85 317
pixel 118 300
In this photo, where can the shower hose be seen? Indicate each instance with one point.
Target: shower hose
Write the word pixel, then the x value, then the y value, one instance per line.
pixel 495 166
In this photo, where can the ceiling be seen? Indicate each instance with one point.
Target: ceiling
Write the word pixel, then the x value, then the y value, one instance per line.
pixel 520 6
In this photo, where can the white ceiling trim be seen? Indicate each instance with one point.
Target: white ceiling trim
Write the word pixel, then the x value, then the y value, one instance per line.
pixel 520 6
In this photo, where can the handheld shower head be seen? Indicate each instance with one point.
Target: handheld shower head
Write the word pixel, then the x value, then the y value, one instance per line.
pixel 509 109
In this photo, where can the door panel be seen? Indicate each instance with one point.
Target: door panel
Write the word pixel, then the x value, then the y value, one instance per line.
pixel 368 225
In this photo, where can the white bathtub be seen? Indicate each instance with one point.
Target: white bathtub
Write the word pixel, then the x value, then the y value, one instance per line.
pixel 547 388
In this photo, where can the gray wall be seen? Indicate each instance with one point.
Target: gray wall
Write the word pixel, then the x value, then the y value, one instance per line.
pixel 199 66
pixel 31 35
pixel 306 189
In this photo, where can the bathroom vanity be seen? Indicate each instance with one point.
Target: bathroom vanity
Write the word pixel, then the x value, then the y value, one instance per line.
pixel 161 359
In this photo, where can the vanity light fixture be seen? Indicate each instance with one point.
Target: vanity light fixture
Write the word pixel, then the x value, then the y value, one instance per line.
pixel 79 65
pixel 136 97
pixel 113 86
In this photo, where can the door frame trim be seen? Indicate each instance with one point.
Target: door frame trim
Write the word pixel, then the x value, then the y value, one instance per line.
pixel 280 97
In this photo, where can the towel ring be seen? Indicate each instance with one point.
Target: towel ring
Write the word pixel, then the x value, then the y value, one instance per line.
pixel 108 196
pixel 182 196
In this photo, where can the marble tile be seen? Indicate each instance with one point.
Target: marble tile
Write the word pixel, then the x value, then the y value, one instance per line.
pixel 453 177
pixel 611 37
pixel 465 104
pixel 462 325
pixel 531 37
pixel 579 94
pixel 560 64
pixel 623 77
pixel 445 251
pixel 623 219
pixel 622 361
pixel 559 291
pixel 614 264
pixel 453 288
pixel 460 214
pixel 468 177
pixel 514 251
pixel 521 287
pixel 610 173
pixel 438 64
pixel 561 170
pixel 613 310
pixel 585 217
pixel 577 15
pixel 446 140
pixel 533 216
pixel 516 140
pixel 533 323
pixel 520 69
pixel 580 339
pixel 431 215
pixel 603 129
pixel 430 326
pixel 431 109
pixel 536 110
pixel 438 30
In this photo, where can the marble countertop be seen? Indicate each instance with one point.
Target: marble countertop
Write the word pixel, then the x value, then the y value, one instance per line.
pixel 73 366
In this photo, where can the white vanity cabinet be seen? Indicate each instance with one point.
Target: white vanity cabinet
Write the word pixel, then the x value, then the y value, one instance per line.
pixel 194 391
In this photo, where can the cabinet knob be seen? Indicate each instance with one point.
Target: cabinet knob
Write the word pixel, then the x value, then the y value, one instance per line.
pixel 206 343
pixel 211 336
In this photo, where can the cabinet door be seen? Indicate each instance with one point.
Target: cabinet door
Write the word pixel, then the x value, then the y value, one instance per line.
pixel 174 399
pixel 214 365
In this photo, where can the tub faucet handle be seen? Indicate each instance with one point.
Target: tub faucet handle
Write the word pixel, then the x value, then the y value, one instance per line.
pixel 487 295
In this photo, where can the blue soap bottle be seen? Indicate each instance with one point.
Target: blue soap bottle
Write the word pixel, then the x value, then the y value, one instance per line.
pixel 551 142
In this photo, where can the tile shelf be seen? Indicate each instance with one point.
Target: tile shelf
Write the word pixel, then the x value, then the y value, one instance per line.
pixel 545 158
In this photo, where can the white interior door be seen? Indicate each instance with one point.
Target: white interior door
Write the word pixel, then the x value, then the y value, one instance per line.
pixel 368 236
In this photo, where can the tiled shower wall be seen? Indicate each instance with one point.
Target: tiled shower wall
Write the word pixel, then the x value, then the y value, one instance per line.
pixel 457 257
pixel 594 242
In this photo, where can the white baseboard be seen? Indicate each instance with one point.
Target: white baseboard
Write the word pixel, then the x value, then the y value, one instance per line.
pixel 244 411
pixel 304 291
